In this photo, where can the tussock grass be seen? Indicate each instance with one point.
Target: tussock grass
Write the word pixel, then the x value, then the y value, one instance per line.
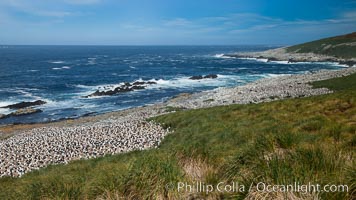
pixel 297 140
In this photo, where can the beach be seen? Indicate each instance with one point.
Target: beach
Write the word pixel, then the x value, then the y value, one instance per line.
pixel 30 147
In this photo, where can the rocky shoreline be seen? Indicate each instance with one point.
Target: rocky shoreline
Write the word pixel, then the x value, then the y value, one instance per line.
pixel 23 108
pixel 30 147
pixel 263 90
pixel 281 54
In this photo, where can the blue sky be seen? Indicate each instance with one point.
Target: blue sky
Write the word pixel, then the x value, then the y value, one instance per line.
pixel 173 22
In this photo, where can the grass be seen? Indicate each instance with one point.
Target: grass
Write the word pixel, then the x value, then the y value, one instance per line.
pixel 173 109
pixel 339 46
pixel 338 84
pixel 297 140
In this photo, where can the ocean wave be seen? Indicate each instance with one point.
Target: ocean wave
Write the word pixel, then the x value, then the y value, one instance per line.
pixel 83 86
pixel 283 62
pixel 222 56
pixel 255 59
pixel 26 93
pixel 91 61
pixel 308 63
pixel 186 82
pixel 55 105
pixel 57 62
pixel 65 67
pixel 268 75
pixel 56 68
pixel 33 70
pixel 6 111
pixel 276 75
pixel 335 64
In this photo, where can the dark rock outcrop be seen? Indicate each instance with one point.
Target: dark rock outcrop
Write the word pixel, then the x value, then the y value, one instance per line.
pixel 126 87
pixel 199 77
pixel 135 87
pixel 211 76
pixel 349 63
pixel 196 77
pixel 271 59
pixel 24 111
pixel 139 83
pixel 25 104
pixel 151 82
pixel 89 114
pixel 291 60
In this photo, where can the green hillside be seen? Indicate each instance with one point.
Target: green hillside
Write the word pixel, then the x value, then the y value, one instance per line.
pixel 343 46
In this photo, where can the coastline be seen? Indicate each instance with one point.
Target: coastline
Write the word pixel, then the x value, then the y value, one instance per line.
pixel 259 90
pixel 281 54
pixel 148 134
pixel 254 92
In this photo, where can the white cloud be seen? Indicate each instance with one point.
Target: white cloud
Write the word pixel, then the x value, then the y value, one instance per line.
pixel 243 28
pixel 43 8
pixel 33 8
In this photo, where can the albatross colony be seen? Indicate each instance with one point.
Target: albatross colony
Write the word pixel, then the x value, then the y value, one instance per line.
pixel 41 147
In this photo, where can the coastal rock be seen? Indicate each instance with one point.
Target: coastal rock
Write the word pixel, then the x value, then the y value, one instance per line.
pixel 271 59
pixel 291 60
pixel 151 82
pixel 139 83
pixel 25 104
pixel 138 87
pixel 349 63
pixel 89 114
pixel 211 76
pixel 2 116
pixel 144 83
pixel 196 77
pixel 24 111
pixel 126 87
pixel 199 77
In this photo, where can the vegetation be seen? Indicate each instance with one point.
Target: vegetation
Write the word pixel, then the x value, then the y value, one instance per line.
pixel 340 46
pixel 297 140
pixel 338 84
pixel 173 109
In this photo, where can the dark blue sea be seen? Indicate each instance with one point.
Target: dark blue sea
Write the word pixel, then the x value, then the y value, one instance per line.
pixel 62 75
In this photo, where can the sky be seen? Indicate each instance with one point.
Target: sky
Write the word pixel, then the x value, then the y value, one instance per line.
pixel 173 22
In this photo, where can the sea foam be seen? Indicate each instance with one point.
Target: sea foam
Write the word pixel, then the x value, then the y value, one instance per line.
pixel 57 62
pixel 221 56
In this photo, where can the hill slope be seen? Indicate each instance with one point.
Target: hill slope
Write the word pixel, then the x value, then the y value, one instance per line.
pixel 343 46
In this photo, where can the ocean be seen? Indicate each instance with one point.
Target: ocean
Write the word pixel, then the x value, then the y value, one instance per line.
pixel 63 75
